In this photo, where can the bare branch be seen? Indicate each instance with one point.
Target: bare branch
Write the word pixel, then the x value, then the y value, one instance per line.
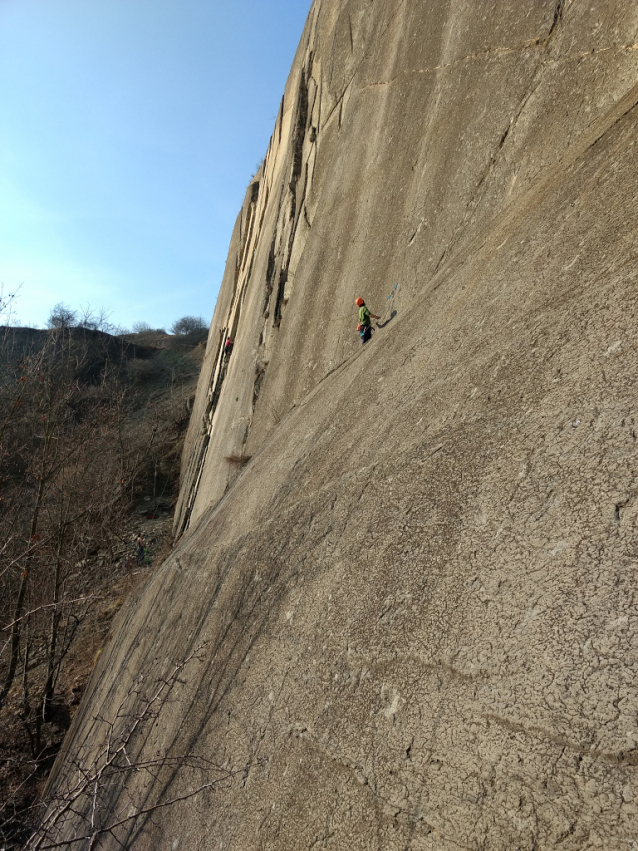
pixel 59 605
pixel 83 798
pixel 143 811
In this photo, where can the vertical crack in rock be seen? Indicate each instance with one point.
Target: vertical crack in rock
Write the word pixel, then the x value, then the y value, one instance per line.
pixel 300 135
pixel 246 243
pixel 221 361
pixel 277 269
pixel 270 275
pixel 281 118
pixel 260 371
pixel 295 204
pixel 283 277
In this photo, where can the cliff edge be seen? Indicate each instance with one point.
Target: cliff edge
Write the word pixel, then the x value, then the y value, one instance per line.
pixel 403 595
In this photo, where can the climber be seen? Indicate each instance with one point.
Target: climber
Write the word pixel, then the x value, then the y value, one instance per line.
pixel 140 552
pixel 364 328
pixel 228 348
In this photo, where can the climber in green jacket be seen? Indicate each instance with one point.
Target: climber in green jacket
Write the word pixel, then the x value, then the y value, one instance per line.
pixel 364 328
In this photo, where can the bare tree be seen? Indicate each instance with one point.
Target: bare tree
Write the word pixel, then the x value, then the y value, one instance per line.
pixel 46 436
pixel 96 320
pixel 188 324
pixel 68 472
pixel 62 316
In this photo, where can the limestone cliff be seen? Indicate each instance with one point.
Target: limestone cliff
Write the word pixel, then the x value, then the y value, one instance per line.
pixel 407 570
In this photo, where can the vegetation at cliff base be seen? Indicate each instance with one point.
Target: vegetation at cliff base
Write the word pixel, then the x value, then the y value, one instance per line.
pixel 91 429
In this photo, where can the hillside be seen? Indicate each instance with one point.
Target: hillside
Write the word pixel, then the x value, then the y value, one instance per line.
pixel 401 612
pixel 91 431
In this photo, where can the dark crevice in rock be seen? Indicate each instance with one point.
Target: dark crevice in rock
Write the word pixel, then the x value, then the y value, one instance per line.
pixel 264 207
pixel 558 14
pixel 270 275
pixel 250 222
pixel 283 277
pixel 302 201
pixel 281 117
pixel 260 372
pixel 295 204
pixel 300 135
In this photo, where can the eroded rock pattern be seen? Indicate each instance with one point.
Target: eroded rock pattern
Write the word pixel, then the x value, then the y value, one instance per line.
pixel 412 586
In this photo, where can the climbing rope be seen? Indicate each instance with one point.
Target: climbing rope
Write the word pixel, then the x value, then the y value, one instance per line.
pixel 388 313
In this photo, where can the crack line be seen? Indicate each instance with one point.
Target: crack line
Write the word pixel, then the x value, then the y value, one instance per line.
pixel 501 51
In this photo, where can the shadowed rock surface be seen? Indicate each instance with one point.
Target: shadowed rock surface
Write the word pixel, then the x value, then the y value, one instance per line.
pixel 415 602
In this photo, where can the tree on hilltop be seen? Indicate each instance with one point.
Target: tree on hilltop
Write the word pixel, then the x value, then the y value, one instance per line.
pixel 98 320
pixel 188 324
pixel 62 317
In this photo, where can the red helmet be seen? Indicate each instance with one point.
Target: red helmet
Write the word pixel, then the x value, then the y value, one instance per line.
pixel 359 302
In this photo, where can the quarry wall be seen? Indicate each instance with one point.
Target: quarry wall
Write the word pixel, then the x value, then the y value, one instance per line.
pixel 406 571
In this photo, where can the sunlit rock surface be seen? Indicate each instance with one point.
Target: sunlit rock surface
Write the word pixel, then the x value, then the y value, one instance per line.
pixel 409 569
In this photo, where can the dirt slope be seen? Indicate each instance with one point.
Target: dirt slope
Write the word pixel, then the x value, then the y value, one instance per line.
pixel 413 607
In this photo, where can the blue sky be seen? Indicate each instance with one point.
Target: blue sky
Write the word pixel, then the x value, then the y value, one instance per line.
pixel 129 130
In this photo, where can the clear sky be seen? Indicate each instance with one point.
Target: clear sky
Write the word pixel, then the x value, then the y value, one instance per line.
pixel 129 131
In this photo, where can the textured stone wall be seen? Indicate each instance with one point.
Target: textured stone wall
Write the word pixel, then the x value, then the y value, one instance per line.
pixel 411 591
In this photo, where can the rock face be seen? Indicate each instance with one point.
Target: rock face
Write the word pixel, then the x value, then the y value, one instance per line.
pixel 407 570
